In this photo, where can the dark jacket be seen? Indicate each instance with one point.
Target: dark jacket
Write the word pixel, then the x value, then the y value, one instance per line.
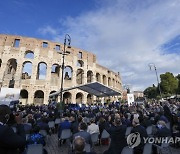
pixel 118 141
pixel 142 131
pixel 11 142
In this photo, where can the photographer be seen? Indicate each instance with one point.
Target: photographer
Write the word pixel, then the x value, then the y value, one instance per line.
pixel 10 142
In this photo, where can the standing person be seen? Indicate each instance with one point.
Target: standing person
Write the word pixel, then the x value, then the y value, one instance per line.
pixel 10 142
pixel 142 131
pixel 117 134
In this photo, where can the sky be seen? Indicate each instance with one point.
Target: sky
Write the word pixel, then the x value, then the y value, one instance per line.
pixel 125 35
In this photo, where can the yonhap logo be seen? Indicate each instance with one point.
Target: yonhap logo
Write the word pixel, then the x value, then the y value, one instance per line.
pixel 133 140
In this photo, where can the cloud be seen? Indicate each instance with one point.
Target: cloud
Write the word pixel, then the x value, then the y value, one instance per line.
pixel 127 35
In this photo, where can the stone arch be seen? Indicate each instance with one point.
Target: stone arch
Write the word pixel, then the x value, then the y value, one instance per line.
pixel 89 99
pixel 42 70
pixel 113 82
pixel 89 76
pixel 98 77
pixel 53 98
pixel 80 76
pixel 24 96
pixel 29 54
pixel 26 70
pixel 38 97
pixel 80 63
pixel 11 66
pixel 0 63
pixel 109 81
pixel 79 98
pixel 68 73
pixel 104 80
pixel 67 97
pixel 55 73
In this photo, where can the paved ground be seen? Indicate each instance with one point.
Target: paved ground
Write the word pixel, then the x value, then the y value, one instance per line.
pixel 53 148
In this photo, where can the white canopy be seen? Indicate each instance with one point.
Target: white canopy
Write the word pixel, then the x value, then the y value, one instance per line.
pixel 94 88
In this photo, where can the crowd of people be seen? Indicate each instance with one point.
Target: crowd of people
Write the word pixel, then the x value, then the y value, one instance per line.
pixel 22 125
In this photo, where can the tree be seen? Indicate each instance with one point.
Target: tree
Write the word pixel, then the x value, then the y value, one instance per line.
pixel 151 92
pixel 169 83
pixel 178 89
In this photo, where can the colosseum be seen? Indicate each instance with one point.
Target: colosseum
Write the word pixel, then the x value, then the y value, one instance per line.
pixel 34 66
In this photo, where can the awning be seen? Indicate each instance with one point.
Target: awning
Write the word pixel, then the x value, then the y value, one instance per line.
pixel 94 88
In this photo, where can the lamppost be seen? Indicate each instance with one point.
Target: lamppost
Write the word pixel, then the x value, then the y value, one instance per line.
pixel 67 42
pixel 153 65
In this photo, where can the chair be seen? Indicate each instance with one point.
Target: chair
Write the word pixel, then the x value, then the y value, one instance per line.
pixel 147 148
pixel 149 130
pixel 65 134
pixel 104 134
pixel 51 125
pixel 127 150
pixel 94 137
pixel 128 131
pixel 57 121
pixel 35 149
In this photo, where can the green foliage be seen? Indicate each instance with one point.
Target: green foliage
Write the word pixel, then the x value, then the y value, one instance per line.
pixel 151 92
pixel 178 89
pixel 169 83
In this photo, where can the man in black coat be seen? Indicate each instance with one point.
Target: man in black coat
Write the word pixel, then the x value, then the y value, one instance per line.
pixel 142 131
pixel 10 142
pixel 117 134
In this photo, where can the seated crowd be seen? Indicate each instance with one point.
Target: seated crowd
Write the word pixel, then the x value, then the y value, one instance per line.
pixel 27 125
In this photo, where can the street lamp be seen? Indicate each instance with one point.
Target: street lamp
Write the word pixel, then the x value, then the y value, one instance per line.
pixel 153 65
pixel 67 42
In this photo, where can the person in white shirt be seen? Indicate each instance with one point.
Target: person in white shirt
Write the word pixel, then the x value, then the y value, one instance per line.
pixel 93 128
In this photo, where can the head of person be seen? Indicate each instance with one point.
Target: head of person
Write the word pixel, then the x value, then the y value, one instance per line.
pixel 135 122
pixel 92 120
pixel 82 126
pixel 79 144
pixel 36 129
pixel 161 124
pixel 4 113
pixel 117 121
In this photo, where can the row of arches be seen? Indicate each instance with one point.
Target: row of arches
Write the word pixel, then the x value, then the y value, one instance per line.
pixel 55 73
pixel 67 96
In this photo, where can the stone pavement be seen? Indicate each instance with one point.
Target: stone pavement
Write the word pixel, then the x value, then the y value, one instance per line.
pixel 53 148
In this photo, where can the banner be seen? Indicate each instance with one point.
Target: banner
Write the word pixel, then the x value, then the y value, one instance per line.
pixel 130 98
pixel 8 95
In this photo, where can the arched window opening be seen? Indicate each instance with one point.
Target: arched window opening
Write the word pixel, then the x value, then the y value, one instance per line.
pixel 80 76
pixel 89 76
pixel 27 70
pixel 89 99
pixel 80 63
pixel 79 98
pixel 67 98
pixel 39 97
pixel 68 73
pixel 41 71
pixel 53 98
pixel 29 54
pixel 23 94
pixel 109 82
pixel 55 69
pixel 104 80
pixel 11 66
pixel 98 77
pixel 0 63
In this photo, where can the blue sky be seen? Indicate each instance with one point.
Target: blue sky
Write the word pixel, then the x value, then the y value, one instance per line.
pixel 126 35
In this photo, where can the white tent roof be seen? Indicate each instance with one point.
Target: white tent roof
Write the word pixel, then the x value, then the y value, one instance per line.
pixel 94 88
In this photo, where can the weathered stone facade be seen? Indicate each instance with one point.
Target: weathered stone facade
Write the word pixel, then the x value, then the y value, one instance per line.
pixel 34 66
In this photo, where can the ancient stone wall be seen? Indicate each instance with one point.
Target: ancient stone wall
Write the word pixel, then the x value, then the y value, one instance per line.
pixel 34 66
